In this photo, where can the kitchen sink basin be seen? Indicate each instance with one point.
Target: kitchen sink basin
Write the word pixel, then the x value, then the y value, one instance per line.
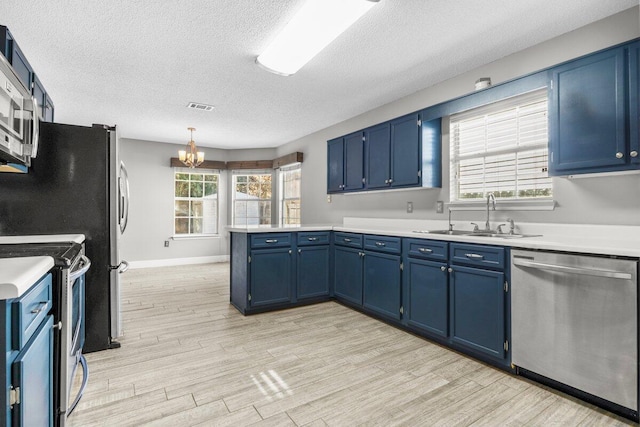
pixel 477 234
pixel 448 232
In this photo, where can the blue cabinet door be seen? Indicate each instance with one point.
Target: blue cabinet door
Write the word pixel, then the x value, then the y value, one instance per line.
pixel 382 290
pixel 405 151
pixel 313 271
pixel 588 114
pixel 354 162
pixel 634 103
pixel 431 145
pixel 271 273
pixel 426 296
pixel 477 310
pixel 348 275
pixel 378 139
pixel 335 165
pixel 32 371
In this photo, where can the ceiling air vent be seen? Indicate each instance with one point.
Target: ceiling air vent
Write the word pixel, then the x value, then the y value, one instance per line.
pixel 201 107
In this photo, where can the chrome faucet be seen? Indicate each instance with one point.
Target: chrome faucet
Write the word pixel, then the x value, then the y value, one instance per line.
pixel 490 198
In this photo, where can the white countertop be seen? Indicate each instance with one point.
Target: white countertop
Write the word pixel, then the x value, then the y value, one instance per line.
pixel 17 275
pixel 580 238
pixel 42 238
pixel 276 229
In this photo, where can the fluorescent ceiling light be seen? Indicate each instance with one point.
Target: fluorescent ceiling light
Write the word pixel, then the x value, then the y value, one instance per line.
pixel 315 25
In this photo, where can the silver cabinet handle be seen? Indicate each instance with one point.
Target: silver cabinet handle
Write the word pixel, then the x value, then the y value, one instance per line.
pixel 619 155
pixel 634 153
pixel 450 270
pixel 57 326
pixel 271 241
pixel 347 240
pixel 474 256
pixel 386 181
pixel 425 250
pixel 443 268
pixel 573 270
pixel 299 251
pixel 312 239
pixel 390 181
pixel 40 307
pixel 290 252
pixel 380 244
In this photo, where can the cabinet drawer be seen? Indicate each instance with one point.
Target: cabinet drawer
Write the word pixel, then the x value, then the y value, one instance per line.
pixel 348 239
pixel 427 249
pixel 313 238
pixel 492 257
pixel 30 309
pixel 270 240
pixel 391 245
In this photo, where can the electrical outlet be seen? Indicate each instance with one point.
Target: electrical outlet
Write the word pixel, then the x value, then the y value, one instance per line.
pixel 439 206
pixel 166 243
pixel 328 198
pixel 409 207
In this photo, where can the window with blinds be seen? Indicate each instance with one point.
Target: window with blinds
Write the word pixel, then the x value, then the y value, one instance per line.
pixel 501 148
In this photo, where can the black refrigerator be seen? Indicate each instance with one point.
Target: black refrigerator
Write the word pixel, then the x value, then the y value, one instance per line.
pixel 76 184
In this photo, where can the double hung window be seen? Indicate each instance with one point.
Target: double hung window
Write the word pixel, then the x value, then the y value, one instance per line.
pixel 289 191
pixel 196 203
pixel 251 193
pixel 501 148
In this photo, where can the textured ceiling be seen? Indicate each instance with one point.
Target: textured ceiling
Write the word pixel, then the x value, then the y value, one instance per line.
pixel 138 63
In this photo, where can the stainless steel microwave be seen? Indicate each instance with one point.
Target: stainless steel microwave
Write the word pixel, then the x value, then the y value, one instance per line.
pixel 19 118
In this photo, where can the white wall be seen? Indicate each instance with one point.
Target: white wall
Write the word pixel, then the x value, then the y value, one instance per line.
pixel 602 200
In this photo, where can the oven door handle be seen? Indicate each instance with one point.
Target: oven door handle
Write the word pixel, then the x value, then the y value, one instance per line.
pixel 86 265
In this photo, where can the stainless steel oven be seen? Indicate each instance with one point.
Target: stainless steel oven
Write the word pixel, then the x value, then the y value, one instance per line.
pixel 18 118
pixel 70 266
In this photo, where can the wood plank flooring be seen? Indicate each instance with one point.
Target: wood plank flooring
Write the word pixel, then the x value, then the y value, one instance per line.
pixel 188 358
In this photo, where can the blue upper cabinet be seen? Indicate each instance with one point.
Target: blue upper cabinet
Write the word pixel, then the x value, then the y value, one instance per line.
pixel 378 140
pixel 345 163
pixel 405 151
pixel 589 107
pixel 634 101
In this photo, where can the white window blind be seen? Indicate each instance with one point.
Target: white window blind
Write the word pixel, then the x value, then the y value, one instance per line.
pixel 501 148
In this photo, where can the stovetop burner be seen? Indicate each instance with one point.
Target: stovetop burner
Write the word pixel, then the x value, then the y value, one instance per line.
pixel 63 253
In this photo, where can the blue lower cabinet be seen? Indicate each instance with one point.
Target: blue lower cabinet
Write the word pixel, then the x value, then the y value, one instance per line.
pixel 382 289
pixel 426 296
pixel 478 310
pixel 32 372
pixel 313 272
pixel 271 274
pixel 348 274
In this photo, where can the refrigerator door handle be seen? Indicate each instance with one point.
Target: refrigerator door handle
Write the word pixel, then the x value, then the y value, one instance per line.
pixel 122 267
pixel 123 197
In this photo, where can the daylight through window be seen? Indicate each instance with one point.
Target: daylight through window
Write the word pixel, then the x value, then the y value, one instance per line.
pixel 251 198
pixel 290 194
pixel 196 203
pixel 501 148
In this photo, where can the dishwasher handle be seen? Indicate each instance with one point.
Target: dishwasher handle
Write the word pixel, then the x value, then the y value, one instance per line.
pixel 572 270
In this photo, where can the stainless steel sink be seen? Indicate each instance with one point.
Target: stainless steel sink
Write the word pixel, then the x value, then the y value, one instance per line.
pixel 448 232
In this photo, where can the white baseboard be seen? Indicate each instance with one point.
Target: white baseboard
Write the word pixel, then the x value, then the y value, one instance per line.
pixel 178 261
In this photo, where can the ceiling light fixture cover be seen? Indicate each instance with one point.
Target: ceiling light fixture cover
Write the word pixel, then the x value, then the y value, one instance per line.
pixel 315 25
pixel 191 157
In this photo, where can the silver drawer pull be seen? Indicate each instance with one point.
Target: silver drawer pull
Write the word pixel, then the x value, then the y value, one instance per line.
pixel 312 239
pixel 380 244
pixel 347 240
pixel 271 241
pixel 40 307
pixel 425 250
pixel 474 256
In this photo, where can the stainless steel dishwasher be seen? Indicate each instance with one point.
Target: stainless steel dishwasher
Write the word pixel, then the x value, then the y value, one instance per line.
pixel 575 321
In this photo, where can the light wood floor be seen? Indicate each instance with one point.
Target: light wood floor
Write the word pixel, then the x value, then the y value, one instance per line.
pixel 189 358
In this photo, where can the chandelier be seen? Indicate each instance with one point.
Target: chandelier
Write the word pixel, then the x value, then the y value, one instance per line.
pixel 191 157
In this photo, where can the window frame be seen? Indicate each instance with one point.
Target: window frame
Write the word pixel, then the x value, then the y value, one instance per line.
pixel 203 172
pixel 523 99
pixel 282 199
pixel 251 172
